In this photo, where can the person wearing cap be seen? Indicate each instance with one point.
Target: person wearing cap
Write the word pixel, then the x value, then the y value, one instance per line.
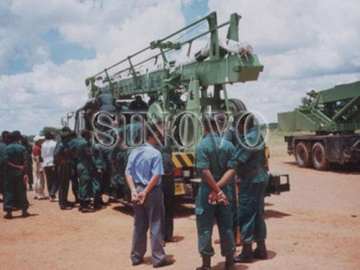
pixel 143 174
pixel 39 183
pixel 216 164
pixel 47 153
pixel 16 176
pixel 250 155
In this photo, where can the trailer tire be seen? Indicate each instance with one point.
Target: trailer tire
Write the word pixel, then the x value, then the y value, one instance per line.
pixel 302 155
pixel 318 156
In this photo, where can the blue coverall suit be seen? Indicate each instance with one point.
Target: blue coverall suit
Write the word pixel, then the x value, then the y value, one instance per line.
pixel 14 186
pixel 89 160
pixel 64 161
pixel 107 102
pixel 217 155
pixel 252 187
pixel 118 158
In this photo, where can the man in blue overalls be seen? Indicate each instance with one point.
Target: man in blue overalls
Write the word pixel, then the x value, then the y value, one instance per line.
pixel 85 169
pixel 216 161
pixel 14 157
pixel 64 161
pixel 250 155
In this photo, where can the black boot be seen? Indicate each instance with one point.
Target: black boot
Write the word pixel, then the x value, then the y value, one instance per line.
pixel 260 252
pixel 99 204
pixel 85 207
pixel 229 262
pixel 206 263
pixel 8 215
pixel 246 255
pixel 25 213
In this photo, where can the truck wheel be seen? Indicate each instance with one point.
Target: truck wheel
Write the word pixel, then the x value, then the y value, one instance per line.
pixel 319 158
pixel 235 105
pixel 302 155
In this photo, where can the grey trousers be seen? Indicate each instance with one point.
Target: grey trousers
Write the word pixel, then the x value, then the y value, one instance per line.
pixel 147 216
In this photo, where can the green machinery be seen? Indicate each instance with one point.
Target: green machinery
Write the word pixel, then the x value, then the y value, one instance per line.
pixel 334 116
pixel 181 90
pixel 184 85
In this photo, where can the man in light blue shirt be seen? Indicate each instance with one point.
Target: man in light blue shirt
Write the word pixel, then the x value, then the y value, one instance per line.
pixel 143 175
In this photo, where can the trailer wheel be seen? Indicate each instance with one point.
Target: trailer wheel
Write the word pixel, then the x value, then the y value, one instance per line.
pixel 302 155
pixel 319 158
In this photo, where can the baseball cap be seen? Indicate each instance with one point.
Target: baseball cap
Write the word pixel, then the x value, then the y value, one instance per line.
pixel 38 138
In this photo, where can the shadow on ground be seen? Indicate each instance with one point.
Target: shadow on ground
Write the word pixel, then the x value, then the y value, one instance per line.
pixel 269 213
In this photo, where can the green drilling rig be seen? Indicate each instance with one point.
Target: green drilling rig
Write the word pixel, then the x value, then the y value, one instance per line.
pixel 181 84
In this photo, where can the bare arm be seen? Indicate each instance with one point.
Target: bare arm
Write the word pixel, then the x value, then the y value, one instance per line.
pixel 217 196
pixel 226 178
pixel 208 177
pixel 131 184
pixel 153 182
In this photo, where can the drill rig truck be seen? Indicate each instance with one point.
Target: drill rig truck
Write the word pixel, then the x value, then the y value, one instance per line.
pixel 181 90
pixel 334 117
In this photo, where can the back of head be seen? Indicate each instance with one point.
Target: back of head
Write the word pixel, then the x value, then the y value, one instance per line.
pixel 12 137
pixel 17 135
pixel 209 123
pixel 49 135
pixel 65 132
pixel 86 134
pixel 4 134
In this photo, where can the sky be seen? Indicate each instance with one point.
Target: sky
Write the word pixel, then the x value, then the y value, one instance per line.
pixel 49 47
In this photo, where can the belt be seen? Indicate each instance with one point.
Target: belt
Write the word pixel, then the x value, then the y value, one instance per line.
pixel 140 185
pixel 251 172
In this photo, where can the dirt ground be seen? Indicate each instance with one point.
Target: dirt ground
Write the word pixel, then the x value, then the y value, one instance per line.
pixel 314 226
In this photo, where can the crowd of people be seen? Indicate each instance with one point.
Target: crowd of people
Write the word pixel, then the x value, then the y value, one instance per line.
pixel 222 164
pixel 147 172
pixel 57 163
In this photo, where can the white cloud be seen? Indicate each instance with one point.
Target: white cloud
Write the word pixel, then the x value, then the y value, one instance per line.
pixel 303 45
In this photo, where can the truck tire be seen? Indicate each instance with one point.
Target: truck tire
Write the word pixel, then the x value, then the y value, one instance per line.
pixel 235 105
pixel 302 155
pixel 318 156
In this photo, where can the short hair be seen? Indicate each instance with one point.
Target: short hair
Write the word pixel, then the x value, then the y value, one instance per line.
pixel 12 137
pixel 65 131
pixel 4 134
pixel 209 123
pixel 86 134
pixel 17 135
pixel 152 130
pixel 49 135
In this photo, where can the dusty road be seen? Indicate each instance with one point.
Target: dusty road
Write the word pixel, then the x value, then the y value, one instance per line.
pixel 314 226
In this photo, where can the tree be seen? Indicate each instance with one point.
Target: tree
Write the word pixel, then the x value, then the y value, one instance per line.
pixel 54 130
